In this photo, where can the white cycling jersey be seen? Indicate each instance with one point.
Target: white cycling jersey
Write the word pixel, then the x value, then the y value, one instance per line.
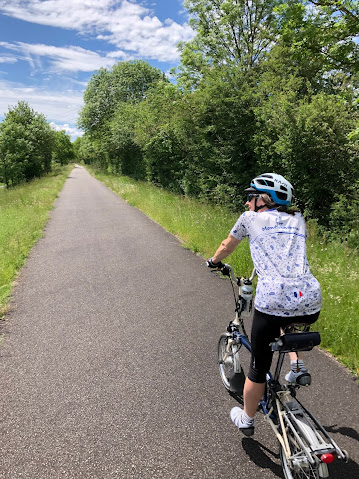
pixel 277 241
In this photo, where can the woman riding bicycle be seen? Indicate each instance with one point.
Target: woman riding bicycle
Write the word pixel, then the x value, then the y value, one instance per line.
pixel 286 292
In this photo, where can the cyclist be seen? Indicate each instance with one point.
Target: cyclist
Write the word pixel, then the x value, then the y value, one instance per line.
pixel 286 292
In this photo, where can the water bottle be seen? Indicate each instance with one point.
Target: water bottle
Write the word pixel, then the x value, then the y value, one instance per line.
pixel 247 296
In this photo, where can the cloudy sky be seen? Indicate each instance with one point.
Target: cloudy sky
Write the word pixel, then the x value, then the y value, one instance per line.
pixel 49 49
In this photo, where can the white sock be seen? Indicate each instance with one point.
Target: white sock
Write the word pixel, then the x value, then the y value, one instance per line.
pixel 248 419
pixel 297 365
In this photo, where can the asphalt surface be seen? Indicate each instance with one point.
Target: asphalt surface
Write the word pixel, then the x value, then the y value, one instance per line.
pixel 108 367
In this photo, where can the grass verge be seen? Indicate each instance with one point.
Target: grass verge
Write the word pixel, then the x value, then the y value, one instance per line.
pixel 201 228
pixel 24 211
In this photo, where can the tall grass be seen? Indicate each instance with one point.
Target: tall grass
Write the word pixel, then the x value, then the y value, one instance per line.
pixel 337 269
pixel 24 211
pixel 201 227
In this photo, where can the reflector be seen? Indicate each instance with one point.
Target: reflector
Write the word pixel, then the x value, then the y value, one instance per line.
pixel 327 458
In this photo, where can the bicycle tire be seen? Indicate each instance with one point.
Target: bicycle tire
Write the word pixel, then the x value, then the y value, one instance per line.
pixel 298 466
pixel 230 368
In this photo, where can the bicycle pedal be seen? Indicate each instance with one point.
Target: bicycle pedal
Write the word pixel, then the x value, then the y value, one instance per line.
pixel 248 431
pixel 304 379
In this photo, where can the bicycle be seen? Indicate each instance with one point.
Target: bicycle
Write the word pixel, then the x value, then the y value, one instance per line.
pixel 306 448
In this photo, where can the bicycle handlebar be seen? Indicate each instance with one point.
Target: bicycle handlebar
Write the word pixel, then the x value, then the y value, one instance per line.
pixel 227 270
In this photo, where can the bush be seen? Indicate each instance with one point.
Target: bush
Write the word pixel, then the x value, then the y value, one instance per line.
pixel 343 219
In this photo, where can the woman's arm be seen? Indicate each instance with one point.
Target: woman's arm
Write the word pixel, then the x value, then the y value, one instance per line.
pixel 226 248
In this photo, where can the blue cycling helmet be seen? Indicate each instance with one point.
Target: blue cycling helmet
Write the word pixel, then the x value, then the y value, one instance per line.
pixel 276 186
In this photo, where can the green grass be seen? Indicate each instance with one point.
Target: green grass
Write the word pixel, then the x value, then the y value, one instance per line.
pixel 24 211
pixel 337 269
pixel 201 228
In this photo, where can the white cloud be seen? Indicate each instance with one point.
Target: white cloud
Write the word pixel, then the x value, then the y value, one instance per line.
pixel 61 58
pixel 128 25
pixel 7 59
pixel 73 132
pixel 57 106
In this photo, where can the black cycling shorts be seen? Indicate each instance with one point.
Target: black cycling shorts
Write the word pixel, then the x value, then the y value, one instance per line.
pixel 265 329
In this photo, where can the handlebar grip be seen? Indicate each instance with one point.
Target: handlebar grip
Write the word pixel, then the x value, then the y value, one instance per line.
pixel 212 265
pixel 225 270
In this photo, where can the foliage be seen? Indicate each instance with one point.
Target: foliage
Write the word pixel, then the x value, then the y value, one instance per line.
pixel 26 142
pixel 63 151
pixel 343 219
pixel 109 114
pixel 308 142
pixel 228 33
pixel 109 89
pixel 85 150
pixel 317 42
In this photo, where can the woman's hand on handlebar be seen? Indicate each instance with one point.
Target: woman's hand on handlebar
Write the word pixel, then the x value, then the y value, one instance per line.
pixel 212 265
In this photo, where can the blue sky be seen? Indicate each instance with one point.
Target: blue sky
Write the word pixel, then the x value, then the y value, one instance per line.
pixel 49 49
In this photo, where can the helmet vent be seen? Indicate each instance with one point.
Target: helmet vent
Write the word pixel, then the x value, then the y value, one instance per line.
pixel 266 183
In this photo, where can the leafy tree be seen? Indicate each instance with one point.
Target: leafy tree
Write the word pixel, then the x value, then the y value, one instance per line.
pixel 63 151
pixel 25 146
pixel 84 150
pixel 308 141
pixel 125 155
pixel 107 117
pixel 228 33
pixel 343 218
pixel 160 135
pixel 348 8
pixel 107 89
pixel 13 153
pixel 316 42
pixel 198 143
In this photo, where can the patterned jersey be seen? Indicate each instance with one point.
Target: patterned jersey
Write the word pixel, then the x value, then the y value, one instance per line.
pixel 277 241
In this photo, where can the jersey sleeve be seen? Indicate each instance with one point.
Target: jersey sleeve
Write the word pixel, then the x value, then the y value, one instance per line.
pixel 241 229
pixel 304 225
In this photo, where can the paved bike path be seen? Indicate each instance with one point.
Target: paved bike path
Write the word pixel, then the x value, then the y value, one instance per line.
pixel 108 368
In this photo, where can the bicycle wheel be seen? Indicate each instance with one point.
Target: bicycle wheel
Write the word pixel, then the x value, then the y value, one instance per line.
pixel 230 369
pixel 298 466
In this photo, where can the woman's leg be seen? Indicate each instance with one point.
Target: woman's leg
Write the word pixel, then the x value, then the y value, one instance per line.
pixel 252 394
pixel 295 356
pixel 265 329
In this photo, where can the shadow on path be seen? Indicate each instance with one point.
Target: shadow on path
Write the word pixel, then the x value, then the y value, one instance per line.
pixel 344 431
pixel 262 456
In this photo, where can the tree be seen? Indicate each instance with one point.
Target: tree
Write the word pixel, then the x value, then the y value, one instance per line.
pixel 13 153
pixel 316 42
pixel 26 145
pixel 110 100
pixel 264 85
pixel 308 141
pixel 85 150
pixel 229 32
pixel 63 151
pixel 107 89
pixel 199 142
pixel 348 8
